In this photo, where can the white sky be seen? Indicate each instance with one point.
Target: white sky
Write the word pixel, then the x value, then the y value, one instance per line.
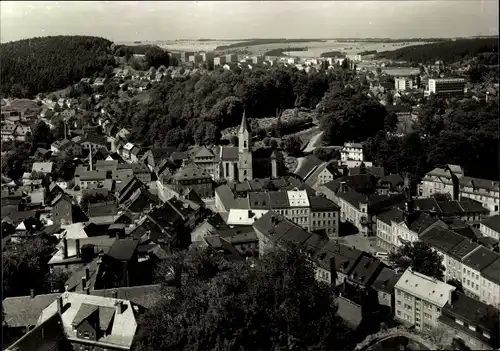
pixel 135 20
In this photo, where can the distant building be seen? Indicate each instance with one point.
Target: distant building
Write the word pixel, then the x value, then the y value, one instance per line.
pixel 220 61
pixel 447 87
pixel 196 58
pixel 231 58
pixel 491 227
pixel 403 83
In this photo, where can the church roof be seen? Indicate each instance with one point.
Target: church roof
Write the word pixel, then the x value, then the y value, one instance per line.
pixel 229 153
pixel 244 124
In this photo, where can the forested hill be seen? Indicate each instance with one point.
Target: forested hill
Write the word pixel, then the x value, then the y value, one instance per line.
pixel 447 51
pixel 31 66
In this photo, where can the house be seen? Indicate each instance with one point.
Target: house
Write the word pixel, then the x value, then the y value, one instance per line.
pixel 90 179
pixel 384 286
pixel 352 155
pixel 62 210
pixel 43 167
pixel 452 180
pixel 443 240
pixel 154 156
pixel 99 82
pixel 324 216
pixel 273 229
pixel 83 321
pixel 391 183
pixel 490 284
pixel 362 210
pixel 335 262
pixel 8 132
pixel 471 323
pixel 194 178
pixel 205 159
pixel 66 148
pixel 420 299
pixel 472 265
pixel 119 266
pixel 491 227
pixel 397 227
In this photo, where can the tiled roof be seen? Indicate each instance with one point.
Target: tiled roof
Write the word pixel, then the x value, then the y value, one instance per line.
pixel 191 171
pixel 259 200
pixel 365 271
pixel 92 175
pixel 442 239
pixel 480 258
pixel 424 287
pixel 226 196
pixel 44 167
pixel 478 183
pixel 492 272
pixel 385 280
pixel 204 152
pixel 460 251
pixel 23 311
pixel 492 222
pixel 320 203
pixel 309 164
pixel 279 199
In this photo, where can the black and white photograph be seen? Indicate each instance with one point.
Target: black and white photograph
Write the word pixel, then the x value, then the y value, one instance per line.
pixel 250 175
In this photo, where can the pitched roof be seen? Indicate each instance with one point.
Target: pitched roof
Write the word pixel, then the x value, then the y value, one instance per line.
pixel 22 311
pixel 204 152
pixel 123 249
pixel 365 271
pixel 385 280
pixel 308 165
pixel 480 258
pixel 225 195
pixel 63 196
pixel 424 287
pixel 350 312
pixel 320 203
pixel 43 167
pixel 492 222
pixel 460 251
pixel 244 126
pixel 442 239
pixel 259 200
pixel 191 171
pixel 491 272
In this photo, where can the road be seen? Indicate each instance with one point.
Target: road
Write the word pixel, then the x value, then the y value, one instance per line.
pixel 315 140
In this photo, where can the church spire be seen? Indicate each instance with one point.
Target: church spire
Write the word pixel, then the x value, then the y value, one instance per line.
pixel 244 123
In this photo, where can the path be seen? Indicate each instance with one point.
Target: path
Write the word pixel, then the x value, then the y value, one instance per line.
pixel 313 143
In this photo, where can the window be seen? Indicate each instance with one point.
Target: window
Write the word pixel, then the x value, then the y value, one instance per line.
pixel 399 303
pixel 428 316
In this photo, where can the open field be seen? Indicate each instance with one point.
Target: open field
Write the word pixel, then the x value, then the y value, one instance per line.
pixel 314 48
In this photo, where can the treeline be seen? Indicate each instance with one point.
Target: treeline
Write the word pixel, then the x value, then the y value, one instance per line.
pixel 367 52
pixel 446 51
pixel 40 65
pixel 254 42
pixel 332 54
pixel 196 109
pixel 280 51
pixel 123 50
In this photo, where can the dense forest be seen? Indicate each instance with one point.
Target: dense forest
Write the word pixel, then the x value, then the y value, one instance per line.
pixel 446 51
pixel 197 108
pixel 40 65
pixel 332 54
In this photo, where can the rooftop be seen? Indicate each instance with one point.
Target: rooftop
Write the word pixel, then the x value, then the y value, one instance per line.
pixel 480 258
pixel 442 239
pixel 492 222
pixel 460 251
pixel 77 306
pixel 123 249
pixel 424 287
pixel 492 272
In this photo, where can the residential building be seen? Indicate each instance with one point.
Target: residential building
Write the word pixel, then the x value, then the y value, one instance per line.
pixel 85 322
pixel 352 152
pixel 324 216
pixel 446 87
pixel 470 323
pixel 195 178
pixel 274 230
pixel 455 257
pixel 443 240
pixel 491 227
pixel 220 61
pixel 90 179
pixel 403 83
pixel 472 265
pixel 384 286
pixel 419 299
pixel 62 210
pixel 490 284
pixel 231 58
pixel 361 210
pixel 205 159
pixel 397 227
pixel 66 148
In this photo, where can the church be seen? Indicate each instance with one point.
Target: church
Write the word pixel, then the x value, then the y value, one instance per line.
pixel 241 163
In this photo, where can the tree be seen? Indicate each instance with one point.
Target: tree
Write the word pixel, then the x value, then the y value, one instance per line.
pixel 457 284
pixel 233 306
pixel 420 257
pixel 293 144
pixel 266 141
pixel 41 137
pixel 273 143
pixel 28 260
pixel 155 57
pixel 234 140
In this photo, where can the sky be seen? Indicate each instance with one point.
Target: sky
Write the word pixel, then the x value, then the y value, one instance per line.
pixel 142 20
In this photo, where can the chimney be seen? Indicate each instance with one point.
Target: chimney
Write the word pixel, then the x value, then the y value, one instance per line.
pixel 78 248
pixel 87 274
pixel 87 291
pixel 60 304
pixel 65 248
pixel 32 293
pixel 84 283
pixel 343 187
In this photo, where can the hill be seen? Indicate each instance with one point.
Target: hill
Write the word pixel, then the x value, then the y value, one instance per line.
pixel 36 65
pixel 264 41
pixel 447 51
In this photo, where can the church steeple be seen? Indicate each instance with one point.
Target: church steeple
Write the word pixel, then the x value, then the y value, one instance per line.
pixel 244 123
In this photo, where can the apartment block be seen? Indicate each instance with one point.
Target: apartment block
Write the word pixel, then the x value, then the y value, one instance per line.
pixel 447 87
pixel 491 227
pixel 419 299
pixel 403 83
pixel 472 266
